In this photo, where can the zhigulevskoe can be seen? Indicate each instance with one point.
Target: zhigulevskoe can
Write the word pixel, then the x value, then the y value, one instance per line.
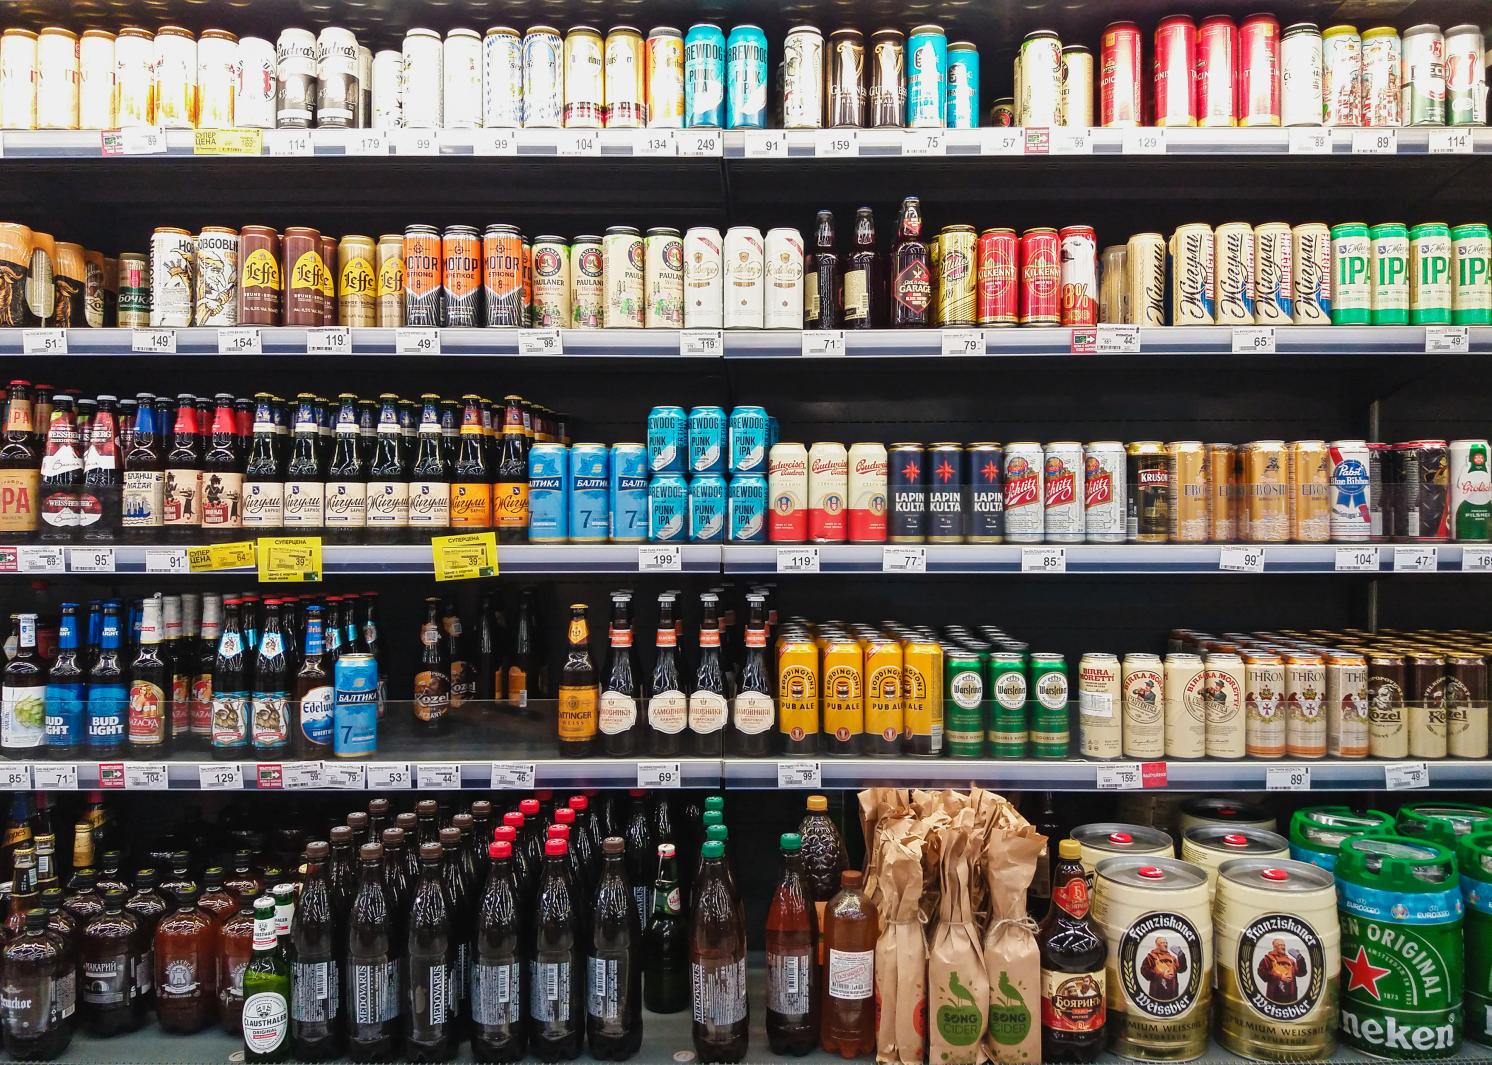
pixel 1233 272
pixel 1145 284
pixel 1113 295
pixel 1192 295
pixel 1274 274
pixel 1311 253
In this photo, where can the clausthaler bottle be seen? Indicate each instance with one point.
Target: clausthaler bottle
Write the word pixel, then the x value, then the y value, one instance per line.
pixel 266 991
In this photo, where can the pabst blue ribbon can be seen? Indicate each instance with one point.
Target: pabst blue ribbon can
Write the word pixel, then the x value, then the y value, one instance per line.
pixel 1104 492
pixel 867 493
pixel 1079 273
pixel 1351 520
pixel 1024 523
pixel 1063 494
pixel 997 282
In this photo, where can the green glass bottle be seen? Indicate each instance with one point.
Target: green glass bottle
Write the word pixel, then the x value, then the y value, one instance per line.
pixel 266 990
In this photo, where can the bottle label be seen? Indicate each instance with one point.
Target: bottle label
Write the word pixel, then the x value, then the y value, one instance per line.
pixel 64 714
pixel 108 982
pixel 517 686
pixel 432 987
pixel 346 505
pixel 388 504
pixel 271 719
pixel 304 505
pixel 272 645
pixel 316 716
pixel 314 992
pixel 1072 1002
pixel 510 505
pixel 147 720
pixel 432 695
pixel 263 505
pixel 65 994
pixel 851 973
pixel 856 296
pixel 108 710
pixel 181 502
pixel 23 716
pixel 180 978
pixel 754 712
pixel 18 495
pixel 471 506
pixel 788 983
pixel 577 713
pixel 549 991
pixel 375 992
pixel 222 500
pixel 200 721
pixel 707 712
pixel 266 1020
pixel 668 712
pixel 719 993
pixel 29 1010
pixel 230 719
pixel 608 981
pixel 495 994
pixel 1072 896
pixel 618 713
pixel 143 497
pixel 232 644
pixel 430 504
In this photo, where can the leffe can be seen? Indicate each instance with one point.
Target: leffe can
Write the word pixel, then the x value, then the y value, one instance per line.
pixel 172 277
pixel 1192 296
pixel 1079 275
pixel 1145 286
pixel 1470 491
pixel 1119 82
pixel 1351 290
pixel 927 76
pixel 1465 76
pixel 1274 274
pixel 1341 76
pixel 947 493
pixel 985 523
pixel 1063 492
pixel 57 80
pixel 1259 71
pixel 1380 77
pixel 704 77
pixel 1104 496
pixel 1388 267
pixel 1233 266
pixel 886 96
pixel 295 77
pixel 502 77
pixel 664 60
pixel 1038 95
pixel 1190 494
pixel 746 78
pixel 1175 71
pixel 551 270
pixel 663 278
pixel 961 109
pixel 1148 477
pixel 502 275
pixel 259 282
pixel 847 77
pixel 907 472
pixel 357 281
pixel 1024 494
pixel 1311 255
pixel 584 97
pixel 744 263
pixel 1351 521
pixel 390 262
pixel 623 270
pixel 175 80
pixel 1471 271
pixel 1041 277
pixel 787 487
pixel 1216 79
pixel 704 286
pixel 1300 75
pixel 1311 491
pixel 997 278
pixel 957 253
pixel 215 286
pixel 1430 281
pixel 543 78
pixel 1423 82
pixel 587 282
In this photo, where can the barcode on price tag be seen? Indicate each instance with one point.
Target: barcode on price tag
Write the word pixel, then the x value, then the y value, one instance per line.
pixel 1356 560
pixel 1287 778
pixel 701 342
pixel 963 342
pixel 1118 340
pixel 329 340
pixel 896 559
pixel 512 776
pixel 56 777
pixel 1416 559
pixel 166 560
pixel 153 341
pixel 800 774
pixel 350 776
pixel 389 776
pixel 1237 559
pixel 146 776
pixel 1447 339
pixel 797 560
pixel 1253 340
pixel 1400 776
pixel 1123 776
pixel 409 341
pixel 659 775
pixel 442 776
pixel 666 559
pixel 240 340
pixel 302 775
pixel 1043 560
pixel 1476 559
pixel 15 776
pixel 224 776
pixel 44 341
pixel 40 559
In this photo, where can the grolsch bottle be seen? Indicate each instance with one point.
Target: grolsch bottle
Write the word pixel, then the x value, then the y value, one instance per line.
pixel 20 466
pixel 315 975
pixel 668 707
pixel 665 982
pixel 510 502
pixel 232 701
pixel 103 481
pixel 430 477
pixel 108 692
pixel 432 679
pixel 305 473
pixel 185 966
pixel 708 708
pixel 717 963
pixel 911 274
pixel 463 680
pixel 222 475
pixel 61 474
pixel 181 495
pixel 23 703
pixel 471 483
pixel 37 1004
pixel 271 699
pixel 150 684
pixel 792 958
pixel 313 692
pixel 266 991
pixel 753 714
pixel 614 1009
pixel 497 972
pixel 346 479
pixel 372 964
pixel 821 289
pixel 578 694
pixel 110 951
pixel 64 694
pixel 620 724
pixel 430 1000
pixel 864 281
pixel 264 474
pixel 388 478
pixel 1073 959
pixel 556 1002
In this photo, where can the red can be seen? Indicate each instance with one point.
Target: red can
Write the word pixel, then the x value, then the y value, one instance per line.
pixel 1119 76
pixel 997 280
pixel 1217 58
pixel 1175 71
pixel 1079 275
pixel 1041 277
pixel 1259 71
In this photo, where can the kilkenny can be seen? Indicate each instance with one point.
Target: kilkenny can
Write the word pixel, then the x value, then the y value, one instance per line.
pixel 743 266
pixel 663 279
pixel 584 99
pixel 907 472
pixel 1430 280
pixel 997 278
pixel 1341 76
pixel 668 440
pixel 172 277
pixel 1120 80
pixel 355 706
pixel 357 282
pixel 1190 493
pixel 622 271
pixel 867 493
pixel 664 59
pixel 1470 491
pixel 1193 301
pixel 1217 59
pixel 1266 483
pixel 1259 71
pixel 1423 77
pixel 1063 495
pixel 1104 495
pixel 629 493
pixel 985 520
pixel 215 286
pixel 1041 277
pixel 704 285
pixel 587 282
pixel 1274 276
pixel 958 252
pixel 1148 478
pixel 704 77
pixel 1038 89
pixel 1388 265
pixel 1100 706
pixel 1077 86
pixel 961 108
pixel 1145 284
pixel 1381 62
pixel 1471 271
pixel 886 96
pixel 846 79
pixel 502 78
pixel 707 508
pixel 787 487
pixel 1351 488
pixel 390 280
pixel 927 76
pixel 543 78
pixel 1351 301
pixel 1311 248
pixel 947 493
pixel 668 508
pixel 1311 491
pixel 706 440
pixel 1300 75
pixel 746 78
pixel 551 283
pixel 1079 275
pixel 782 297
pixel 1175 66
pixel 1233 259
pixel 746 509
pixel 423 260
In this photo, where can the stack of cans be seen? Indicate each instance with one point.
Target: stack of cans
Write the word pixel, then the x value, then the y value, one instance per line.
pixel 587 493
pixel 706 474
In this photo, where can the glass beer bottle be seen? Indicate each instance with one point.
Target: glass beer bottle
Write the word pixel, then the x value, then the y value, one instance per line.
pixel 577 712
pixel 1073 957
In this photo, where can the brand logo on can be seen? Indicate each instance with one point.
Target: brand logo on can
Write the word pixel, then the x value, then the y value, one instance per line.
pixel 1061 483
pixel 1160 963
pixel 1280 966
pixel 1098 483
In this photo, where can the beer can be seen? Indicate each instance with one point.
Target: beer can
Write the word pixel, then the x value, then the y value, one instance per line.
pixel 172 277
pixel 668 440
pixel 354 725
pixel 1430 281
pixel 664 58
pixel 1038 97
pixel 1465 76
pixel 787 486
pixel 134 291
pixel 387 108
pixel 1470 518
pixel 1104 502
pixel 587 282
pixel 543 78
pixel 746 78
pixel 215 286
pixel 256 84
pixel 502 78
pixel 663 279
pixel 1350 491
pixel 134 81
pixel 1148 479
pixel 1388 731
pixel 40 280
pixel 1185 700
pixel 584 74
pixel 1063 495
pixel 549 490
pixel 1119 84
pixel 460 73
pixel 922 687
pixel 668 508
pixel 1259 71
pixel 1466 706
pixel 844 695
pixel 961 108
pixel 423 281
pixel 1041 277
pixel 1175 64
pixel 175 78
pixel 704 77
pixel 907 470
pixel 1274 274
pixel 390 305
pixel 295 79
pixel 1311 255
pixel 1346 705
pixel 1024 496
pixel 703 284
pixel 1145 284
pixel 828 492
pixel 783 295
pixel 1378 495
pixel 847 78
pixel 1103 841
pixel 957 254
pixel 707 508
pixel 927 76
pixel 461 276
pixel 1301 102
pixel 623 270
pixel 1190 494
pixel 1423 77
pixel 337 89
pixel 69 286
pixel 1388 267
pixel 95 79
pixel 746 509
pixel 1341 76
pixel 866 493
pixel 1233 266
pixel 1217 60
pixel 1225 720
pixel 744 261
pixel 551 283
pixel 1192 295
pixel 1100 706
pixel 1351 290
pixel 1471 272
pixel 885 717
pixel 1381 61
pixel 1142 686
pixel 327 303
pixel 1222 478
pixel 364 115
pixel 886 97
pixel 57 79
pixel 997 286
pixel 1311 491
pixel 1048 711
pixel 1079 275
pixel 628 493
pixel 705 440
pixel 985 513
pixel 423 84
pixel 1418 490
pixel 1266 484
pixel 1077 86
pixel 804 93
pixel 947 493
pixel 1113 297
pixel 18 78
pixel 1305 721
pixel 301 268
pixel 94 292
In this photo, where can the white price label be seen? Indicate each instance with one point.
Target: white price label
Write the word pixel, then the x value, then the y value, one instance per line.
pixel 167 560
pixel 409 341
pixel 153 341
pixel 963 342
pixel 329 340
pixel 1117 340
pixel 1476 559
pixel 1043 560
pixel 289 142
pixel 1310 140
pixel 1416 558
pixel 146 776
pixel 666 558
pixel 240 340
pixel 655 142
pixel 1253 340
pixel 55 777
pixel 368 142
pixel 577 142
pixel 494 142
pixel 1143 140
pixel 823 342
pixel 1399 776
pixel 389 776
pixel 90 559
pixel 797 560
pixel 512 776
pixel 348 776
pixel 1356 560
pixel 220 776
pixel 1068 141
pixel 1287 778
pixel 43 559
pixel 836 142
pixel 44 341
pixel 415 142
pixel 766 144
pixel 142 140
pixel 15 776
pixel 302 775
pixel 659 775
pixel 699 142
pixel 1447 339
pixel 800 774
pixel 897 559
pixel 702 342
pixel 1006 140
pixel 439 776
pixel 1238 559
pixel 540 342
pixel 1455 140
pixel 1375 142
pixel 1124 776
pixel 924 142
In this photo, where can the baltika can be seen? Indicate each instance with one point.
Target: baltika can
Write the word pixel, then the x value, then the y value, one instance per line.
pixel 590 493
pixel 1311 254
pixel 355 706
pixel 668 508
pixel 1104 503
pixel 704 77
pixel 1063 492
pixel 947 493
pixel 787 489
pixel 622 269
pixel 587 284
pixel 1038 87
pixel 1077 86
pixel 1351 521
pixel 1430 280
pixel 782 298
pixel 1175 66
pixel 1471 273
pixel 1274 274
pixel 985 522
pixel 1233 273
pixel 704 284
pixel 1341 76
pixel 746 509
pixel 1024 500
pixel 663 278
pixel 747 78
pixel 1041 277
pixel 461 276
pixel 1192 296
pixel 551 283
pixel 1381 62
pixel 1470 491
pixel 886 95
pixel 543 78
pixel 706 440
pixel 743 266
pixel 502 78
pixel 668 440
pixel 629 493
pixel 961 107
pixel 1145 284
pixel 957 252
pixel 663 56
pixel 1119 105
pixel 846 79
pixel 1351 290
pixel 1259 71
pixel 1079 275
pixel 803 89
pixel 1423 77
pixel 707 508
pixel 215 287
pixel 1310 466
pixel 1388 267
pixel 172 277
pixel 907 473
pixel 1216 79
pixel 423 260
pixel 584 63
pixel 997 278
pixel 828 492
pixel 1300 75
pixel 867 493
pixel 927 76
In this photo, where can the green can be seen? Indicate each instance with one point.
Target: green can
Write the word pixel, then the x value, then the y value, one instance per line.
pixel 1430 274
pixel 1471 270
pixel 1007 702
pixel 1318 832
pixel 1399 901
pixel 1051 730
pixel 963 703
pixel 1442 822
pixel 133 309
pixel 1389 250
pixel 1474 857
pixel 1352 284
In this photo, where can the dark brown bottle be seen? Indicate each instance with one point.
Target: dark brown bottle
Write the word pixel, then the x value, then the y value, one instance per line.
pixel 708 708
pixel 103 480
pixel 792 958
pixel 181 496
pixel 398 847
pixel 65 933
pixel 185 966
pixel 372 965
pixel 315 975
pixel 557 993
pixel 911 274
pixel 148 906
pixel 668 707
pixel 243 881
pixel 576 713
pixel 111 950
pixel 235 947
pixel 864 282
pixel 346 479
pixel 526 673
pixel 61 474
pixel 432 679
pixel 753 715
pixel 264 474
pixel 824 857
pixel 717 963
pixel 823 298
pixel 82 900
pixel 430 1001
pixel 510 492
pixel 222 475
pixel 459 909
pixel 499 972
pixel 216 901
pixel 1073 957
pixel 37 994
pixel 614 1004
pixel 342 867
pixel 1046 822
pixel 463 679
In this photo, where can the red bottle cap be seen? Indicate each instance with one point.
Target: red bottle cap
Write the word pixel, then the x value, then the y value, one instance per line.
pixel 499 849
pixel 555 848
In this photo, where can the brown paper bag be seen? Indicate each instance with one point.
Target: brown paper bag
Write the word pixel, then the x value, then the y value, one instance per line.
pixel 901 953
pixel 1012 962
pixel 957 988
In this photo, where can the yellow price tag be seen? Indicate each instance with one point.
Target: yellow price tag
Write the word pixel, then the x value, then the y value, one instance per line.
pixel 460 558
pixel 228 142
pixel 289 559
pixel 237 555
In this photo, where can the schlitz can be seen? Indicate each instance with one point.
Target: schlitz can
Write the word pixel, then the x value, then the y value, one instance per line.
pixel 787 486
pixel 663 56
pixel 357 282
pixel 551 267
pixel 1041 277
pixel 134 289
pixel 1471 271
pixel 1148 473
pixel 1143 687
pixel 1388 267
pixel 390 264
pixel 1190 493
pixel 1266 482
pixel 663 278
pixel 1145 287
pixel 1346 705
pixel 1063 493
pixel 997 278
pixel 1175 67
pixel 803 88
pixel 1300 75
pixel 743 264
pixel 927 76
pixel 1274 274
pixel 502 77
pixel 336 78
pixel 57 79
pixel 1185 705
pixel 986 516
pixel 1311 491
pixel 704 286
pixel 544 78
pixel 907 472
pixel 1217 59
pixel 1305 719
pixel 1466 705
pixel 18 77
pixel 1079 275
pixel 1233 259
pixel 1038 97
pixel 1113 296
pixel 783 266
pixel 1263 698
pixel 886 98
pixel 1470 518
pixel 847 75
pixel 947 493
pixel 215 290
pixel 1430 280
pixel 867 468
pixel 423 260
pixel 622 266
pixel 584 96
pixel 1423 84
pixel 958 252
pixel 1119 77
pixel 1104 495
pixel 747 77
pixel 1100 711
pixel 1381 60
pixel 295 79
pixel 1024 520
pixel 175 78
pixel 587 285
pixel 1418 481
pixel 1388 726
pixel 1259 71
pixel 1222 480
pixel 1192 294
pixel 1351 290
pixel 172 277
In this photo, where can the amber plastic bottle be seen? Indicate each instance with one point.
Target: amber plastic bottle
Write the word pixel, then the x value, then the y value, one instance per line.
pixel 111 951
pixel 186 966
pixel 792 958
pixel 850 928
pixel 717 964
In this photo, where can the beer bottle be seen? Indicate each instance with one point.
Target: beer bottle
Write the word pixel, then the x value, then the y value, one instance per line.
pixel 432 681
pixel 1073 957
pixel 824 856
pixel 231 699
pixel 110 950
pixel 429 996
pixel 458 892
pixel 305 479
pixel 282 416
pixel 471 487
pixel 463 682
pixel 108 695
pixel 216 901
pixel 313 692
pixel 525 667
pixel 823 297
pixel 181 494
pixel 753 714
pixel 510 506
pixel 620 724
pixel 707 705
pixel 20 464
pixel 100 500
pixel 23 704
pixel 266 990
pixel 199 716
pixel 578 692
pixel 372 993
pixel 315 975
pixel 36 1004
pixel 388 477
pixel 668 708
pixel 430 478
pixel 792 953
pixel 717 963
pixel 180 668
pixel 911 274
pixel 61 474
pixel 614 1011
pixel 491 652
pixel 184 966
pixel 264 474
pixel 450 423
pixel 499 975
pixel 271 699
pixel 401 854
pixel 346 478
pixel 150 711
pixel 665 984
pixel 864 283
pixel 367 430
pixel 64 690
pixel 235 946
pixel 243 423
pixel 557 993
pixel 222 474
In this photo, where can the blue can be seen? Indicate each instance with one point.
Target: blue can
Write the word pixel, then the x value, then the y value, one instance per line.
pixel 355 710
pixel 706 440
pixel 927 77
pixel 668 508
pixel 961 105
pixel 548 494
pixel 590 493
pixel 746 78
pixel 773 436
pixel 629 494
pixel 704 77
pixel 746 509
pixel 707 509
pixel 749 430
pixel 668 430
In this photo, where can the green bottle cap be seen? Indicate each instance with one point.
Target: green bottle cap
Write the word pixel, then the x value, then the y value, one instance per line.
pixel 713 817
pixel 717 833
pixel 791 841
pixel 713 849
pixel 714 802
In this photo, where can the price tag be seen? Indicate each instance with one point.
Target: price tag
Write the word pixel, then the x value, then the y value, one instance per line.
pixel 1043 560
pixel 512 776
pixel 1416 558
pixel 699 142
pixel 494 142
pixel 389 776
pixel 1238 559
pixel 1476 559
pixel 540 342
pixel 924 142
pixel 1253 340
pixel 797 560
pixel 1287 778
pixel 464 557
pixel 1310 140
pixel 146 776
pixel 348 776
pixel 800 774
pixel 898 559
pixel 228 142
pixel 659 775
pixel 1123 776
pixel 1356 560
pixel 290 142
pixel 439 776
pixel 220 776
pixel 41 559
pixel 142 140
pixel 15 776
pixel 1117 340
pixel 328 340
pixel 664 558
pixel 44 341
pixel 655 142
pixel 766 144
pixel 90 559
pixel 823 342
pixel 415 142
pixel 1072 141
pixel 367 142
pixel 166 560
pixel 1447 339
pixel 1399 776
pixel 1455 140
pixel 1143 140
pixel 408 341
pixel 1006 140
pixel 577 142
pixel 240 340
pixel 702 342
pixel 289 559
pixel 963 342
pixel 300 776
pixel 238 555
pixel 836 142
pixel 153 341
pixel 55 777
pixel 1375 142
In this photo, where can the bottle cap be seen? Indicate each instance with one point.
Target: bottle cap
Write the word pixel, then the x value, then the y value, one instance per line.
pixel 1069 849
pixel 791 841
pixel 713 849
pixel 613 845
pixel 505 834
pixel 556 848
pixel 558 832
pixel 578 803
pixel 431 852
pixel 817 804
pixel 714 802
pixel 851 878
pixel 717 832
pixel 564 815
pixel 712 817
pixel 500 849
pixel 513 820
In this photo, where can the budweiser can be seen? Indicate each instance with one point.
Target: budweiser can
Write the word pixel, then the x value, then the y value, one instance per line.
pixel 18 77
pixel 1190 493
pixel 1041 277
pixel 783 298
pixel 887 96
pixel 1259 71
pixel 134 57
pixel 1077 86
pixel 867 493
pixel 1301 102
pixel 1341 76
pixel 997 289
pixel 1119 77
pixel 1024 523
pixel 1423 85
pixel 1145 264
pixel 1038 97
pixel 96 79
pixel 1465 76
pixel 1222 482
pixel 1175 66
pixel 1382 55
pixel 1113 296
pixel 1310 254
pixel 1192 300
pixel 1103 492
pixel 1079 274
pixel 1274 278
pixel 663 53
pixel 744 264
pixel 1233 259
pixel 1310 491
pixel 1267 484
pixel 985 523
pixel 803 78
pixel 787 491
pixel 175 81
pixel 1063 493
pixel 1351 489
pixel 704 287
pixel 1217 57
pixel 387 77
pixel 256 86
pixel 828 492
pixel 57 79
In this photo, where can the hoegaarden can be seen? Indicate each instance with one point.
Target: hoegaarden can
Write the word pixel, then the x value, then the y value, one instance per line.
pixel 1389 248
pixel 1050 731
pixel 1352 297
pixel 1471 491
pixel 1400 905
pixel 1430 274
pixel 963 704
pixel 1471 273
pixel 1007 722
pixel 1442 822
pixel 1474 856
pixel 1317 832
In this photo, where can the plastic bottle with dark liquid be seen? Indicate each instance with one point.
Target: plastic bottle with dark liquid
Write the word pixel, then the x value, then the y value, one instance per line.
pixel 110 952
pixel 35 1000
pixel 792 958
pixel 614 1002
pixel 717 964
pixel 498 975
pixel 186 966
pixel 557 983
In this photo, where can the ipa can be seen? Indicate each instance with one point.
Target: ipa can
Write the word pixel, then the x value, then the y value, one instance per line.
pixel 1471 272
pixel 1430 281
pixel 1388 264
pixel 1351 292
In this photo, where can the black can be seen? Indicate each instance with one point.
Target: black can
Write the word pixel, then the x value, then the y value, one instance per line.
pixel 1418 492
pixel 908 478
pixel 986 520
pixel 947 494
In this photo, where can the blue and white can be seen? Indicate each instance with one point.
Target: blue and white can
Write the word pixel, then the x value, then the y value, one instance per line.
pixel 548 494
pixel 749 430
pixel 543 78
pixel 961 104
pixel 707 509
pixel 629 494
pixel 668 446
pixel 502 78
pixel 590 493
pixel 668 508
pixel 746 509
pixel 355 710
pixel 927 77
pixel 704 77
pixel 706 440
pixel 746 78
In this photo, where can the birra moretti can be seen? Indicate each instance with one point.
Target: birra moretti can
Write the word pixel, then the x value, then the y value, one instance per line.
pixel 1471 491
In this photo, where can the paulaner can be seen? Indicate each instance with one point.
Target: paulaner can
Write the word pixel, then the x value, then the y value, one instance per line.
pixel 587 282
pixel 1388 261
pixel 985 523
pixel 997 278
pixel 867 493
pixel 1312 258
pixel 1274 274
pixel 622 271
pixel 663 279
pixel 1471 270
pixel 551 283
pixel 947 493
pixel 1192 298
pixel 1470 491
pixel 1233 259
pixel 787 486
pixel 1351 290
pixel 355 709
pixel 907 470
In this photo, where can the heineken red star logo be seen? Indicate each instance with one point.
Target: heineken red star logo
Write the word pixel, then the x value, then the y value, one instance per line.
pixel 1363 973
pixel 944 471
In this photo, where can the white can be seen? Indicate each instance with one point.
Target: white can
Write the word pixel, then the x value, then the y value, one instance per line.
pixel 502 78
pixel 663 279
pixel 828 492
pixel 462 69
pixel 1100 706
pixel 585 93
pixel 1192 297
pixel 1185 702
pixel 744 263
pixel 1351 491
pixel 1224 701
pixel 134 56
pixel 1077 87
pixel 625 81
pixel 803 78
pixel 1233 273
pixel 1039 97
pixel 1274 274
pixel 1341 76
pixel 364 86
pixel 57 79
pixel 543 78
pixel 1422 77
pixel 336 78
pixel 1310 253
pixel 1104 492
pixel 1143 684
pixel 1145 282
pixel 1062 495
pixel 96 79
pixel 783 300
pixel 217 79
pixel 215 287
pixel 388 90
pixel 1381 57
pixel 704 286
pixel 1465 76
pixel 254 98
pixel 787 490
pixel 175 78
pixel 18 79
pixel 424 82
pixel 295 79
pixel 1024 523
pixel 172 278
pixel 867 474
pixel 1300 75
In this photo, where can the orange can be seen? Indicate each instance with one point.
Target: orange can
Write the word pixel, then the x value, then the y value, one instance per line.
pixel 798 693
pixel 528 282
pixel 1222 484
pixel 885 718
pixel 1310 491
pixel 461 271
pixel 502 276
pixel 922 696
pixel 422 282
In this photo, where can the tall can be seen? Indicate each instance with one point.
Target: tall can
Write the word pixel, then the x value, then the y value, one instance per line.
pixel 96 79
pixel 337 89
pixel 1465 76
pixel 175 79
pixel 1423 76
pixel 623 267
pixel 1388 266
pixel 1226 736
pixel 886 94
pixel 1351 521
pixel 1381 61
pixel 173 274
pixel 584 65
pixel 502 276
pixel 1175 71
pixel 1145 282
pixel 255 87
pixel 1119 81
pixel 787 487
pixel 1263 704
pixel 295 77
pixel 1417 484
pixel 744 263
pixel 1266 484
pixel 746 78
pixel 947 493
pixel 1190 492
pixel 1041 277
pixel 551 283
pixel 422 91
pixel 927 76
pixel 907 471
pixel 134 58
pixel 387 76
pixel 704 285
pixel 867 468
pixel 704 77
pixel 1470 491
pixel 1351 290
pixel 1217 60
pixel 1341 76
pixel 1113 296
pixel 1079 275
pixel 1311 491
pixel 1051 735
pixel 1222 478
pixel 1233 266
pixel 1104 492
pixel 957 252
pixel 1274 274
pixel 58 78
pixel 1024 497
pixel 1430 281
pixel 782 297
pixel 1063 496
pixel 18 77
pixel 1311 252
pixel 664 61
pixel 804 94
pixel 587 282
pixel 1038 96
pixel 985 522
pixel 663 279
pixel 461 276
pixel 997 278
pixel 1471 271
pixel 1305 719
pixel 1077 86
pixel 259 284
pixel 215 287
pixel 1346 705
pixel 1100 706
pixel 847 78
pixel 543 78
pixel 423 260
pixel 1300 75
pixel 1142 682
pixel 629 493
pixel 1185 705
pixel 1193 301
pixel 357 282
pixel 961 108
pixel 502 78
pixel 1148 479
pixel 1259 71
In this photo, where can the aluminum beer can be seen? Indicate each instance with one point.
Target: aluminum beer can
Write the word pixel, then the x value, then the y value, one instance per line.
pixel 423 85
pixel 387 106
pixel 1274 274
pixel 1077 86
pixel 461 79
pixel 1113 296
pixel 1038 96
pixel 707 509
pixel 1175 66
pixel 997 278
pixel 1145 284
pixel 1142 684
pixel 1465 76
pixel 551 283
pixel 1024 496
pixel 1301 102
pixel 587 282
pixel 295 78
pixel 1430 279
pixel 847 75
pixel 668 440
pixel 134 291
pixel 590 493
pixel 744 264
pixel 1423 77
pixel 663 279
pixel 134 57
pixel 1079 275
pixel 956 254
pixel 622 270
pixel 337 89
pixel 1418 486
pixel 867 493
pixel 668 508
pixel 746 77
pixel 1217 60
pixel 1351 289
pixel 1311 255
pixel 96 79
pixel 1063 492
pixel 1341 76
pixel 18 78
pixel 172 277
pixel 704 286
pixel 215 287
pixel 625 79
pixel 57 81
pixel 175 78
pixel 746 509
pixel 1388 266
pixel 1100 701
pixel 1190 494
pixel 704 77
pixel 364 115
pixel 423 260
pixel 543 78
pixel 1381 60
pixel 664 60
pixel 629 493
pixel 828 492
pixel 787 490
pixel 355 706
pixel 255 84
pixel 804 94
pixel 502 78
pixel 1311 491
pixel 502 276
pixel 783 296
pixel 886 98
pixel 584 66
pixel 1233 259
pixel 1104 492
pixel 1041 277
pixel 1259 71
pixel 985 523
pixel 961 109
pixel 1192 298
pixel 461 276
pixel 927 76
pixel 1351 521
pixel 947 493
pixel 549 490
pixel 1266 485
pixel 1119 85
pixel 907 471
pixel 1471 272
pixel 747 440
pixel 706 440
pixel 1185 701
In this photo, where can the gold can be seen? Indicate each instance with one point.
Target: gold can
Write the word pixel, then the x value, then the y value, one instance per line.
pixel 95 288
pixel 217 79
pixel 1346 705
pixel 390 280
pixel 1148 471
pixel 798 691
pixel 134 90
pixel 175 78
pixel 57 79
pixel 1305 690
pixel 15 262
pixel 1263 693
pixel 956 257
pixel 1189 493
pixel 1144 706
pixel 41 286
pixel 844 695
pixel 357 282
pixel 624 82
pixel 1113 291
pixel 1224 700
pixel 68 281
pixel 1209 846
pixel 1185 706
pixel 1267 486
pixel 934 263
pixel 1310 491
pixel 885 718
pixel 1222 487
pixel 922 696
pixel 551 264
